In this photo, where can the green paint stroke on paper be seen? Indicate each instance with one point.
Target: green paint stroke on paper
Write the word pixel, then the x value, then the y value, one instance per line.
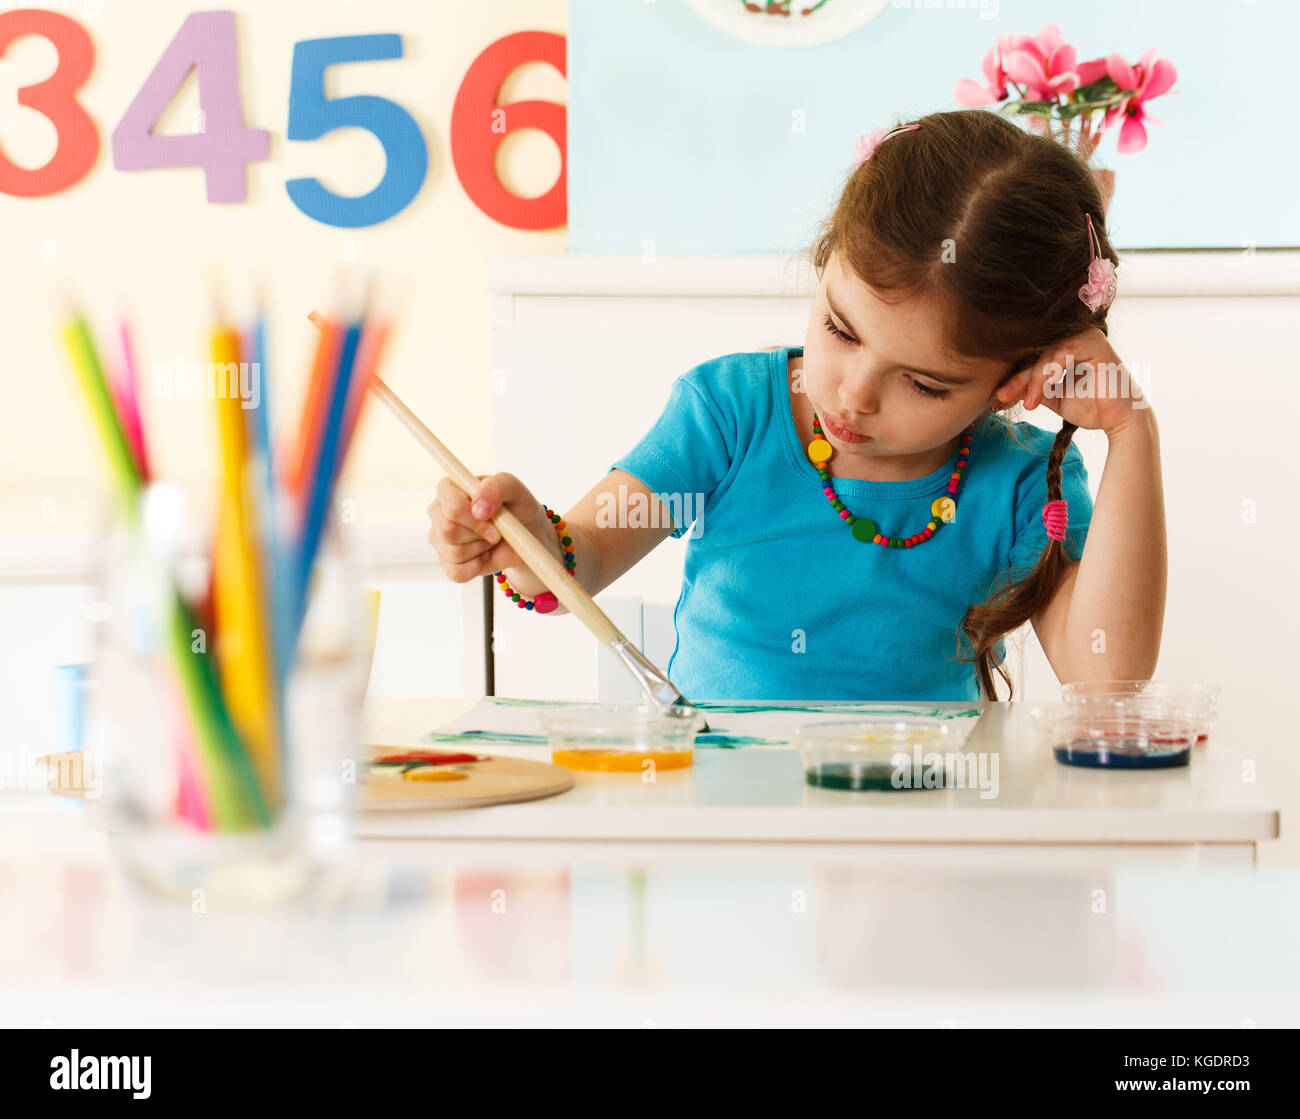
pixel 711 738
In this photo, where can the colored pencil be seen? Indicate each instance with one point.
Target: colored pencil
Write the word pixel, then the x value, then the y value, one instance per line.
pixel 373 338
pixel 319 488
pixel 244 651
pixel 127 392
pixel 85 360
pixel 229 722
pixel 301 463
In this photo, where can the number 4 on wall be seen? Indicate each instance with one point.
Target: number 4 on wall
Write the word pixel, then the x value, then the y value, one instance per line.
pixel 222 145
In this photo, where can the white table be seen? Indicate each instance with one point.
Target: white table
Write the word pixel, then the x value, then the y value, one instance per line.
pixel 730 896
pixel 1045 814
pixel 410 934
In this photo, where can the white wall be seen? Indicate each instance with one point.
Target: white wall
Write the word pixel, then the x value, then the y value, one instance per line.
pixel 1211 336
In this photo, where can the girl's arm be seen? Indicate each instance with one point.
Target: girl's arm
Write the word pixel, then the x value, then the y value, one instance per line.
pixel 1106 618
pixel 604 546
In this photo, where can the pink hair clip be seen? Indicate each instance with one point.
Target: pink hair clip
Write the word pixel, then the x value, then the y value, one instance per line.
pixel 1055 518
pixel 866 146
pixel 1100 288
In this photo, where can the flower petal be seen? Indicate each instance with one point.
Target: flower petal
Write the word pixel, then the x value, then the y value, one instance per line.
pixel 992 67
pixel 1121 72
pixel 1133 136
pixel 1063 83
pixel 1163 75
pixel 1090 71
pixel 1024 68
pixel 971 93
pixel 1026 43
pixel 1049 39
pixel 1061 60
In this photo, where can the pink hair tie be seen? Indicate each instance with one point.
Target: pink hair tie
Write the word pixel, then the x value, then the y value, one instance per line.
pixel 1100 288
pixel 867 145
pixel 1055 519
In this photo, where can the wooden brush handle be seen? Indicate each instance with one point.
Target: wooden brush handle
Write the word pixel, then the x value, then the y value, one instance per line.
pixel 531 550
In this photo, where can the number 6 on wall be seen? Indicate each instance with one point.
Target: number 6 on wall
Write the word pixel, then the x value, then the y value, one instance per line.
pixel 312 115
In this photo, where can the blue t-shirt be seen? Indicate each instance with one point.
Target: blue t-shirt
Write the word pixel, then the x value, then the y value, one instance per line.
pixel 779 601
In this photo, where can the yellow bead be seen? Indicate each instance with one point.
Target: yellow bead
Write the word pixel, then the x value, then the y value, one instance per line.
pixel 944 508
pixel 819 450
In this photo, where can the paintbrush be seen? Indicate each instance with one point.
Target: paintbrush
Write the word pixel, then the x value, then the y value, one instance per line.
pixel 661 692
pixel 657 687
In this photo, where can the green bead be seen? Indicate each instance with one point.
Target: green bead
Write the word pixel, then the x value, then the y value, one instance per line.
pixel 864 529
pixel 566 540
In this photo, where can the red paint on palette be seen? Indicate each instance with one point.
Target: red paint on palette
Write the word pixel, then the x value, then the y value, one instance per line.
pixel 433 758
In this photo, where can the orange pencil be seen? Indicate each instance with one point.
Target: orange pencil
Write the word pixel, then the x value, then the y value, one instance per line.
pixel 324 369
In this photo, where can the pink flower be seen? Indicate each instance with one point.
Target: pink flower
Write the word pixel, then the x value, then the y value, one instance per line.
pixel 1044 64
pixel 969 92
pixel 1147 79
pixel 867 145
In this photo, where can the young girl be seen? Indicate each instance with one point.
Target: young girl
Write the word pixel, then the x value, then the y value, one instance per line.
pixel 867 523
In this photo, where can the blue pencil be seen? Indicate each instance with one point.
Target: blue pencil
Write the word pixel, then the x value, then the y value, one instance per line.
pixel 321 486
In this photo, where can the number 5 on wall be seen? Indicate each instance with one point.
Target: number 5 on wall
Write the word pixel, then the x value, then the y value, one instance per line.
pixel 312 115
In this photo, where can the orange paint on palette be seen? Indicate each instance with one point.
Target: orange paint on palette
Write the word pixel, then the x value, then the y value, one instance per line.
pixel 621 761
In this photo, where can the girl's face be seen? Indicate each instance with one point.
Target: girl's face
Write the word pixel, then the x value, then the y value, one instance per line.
pixel 879 377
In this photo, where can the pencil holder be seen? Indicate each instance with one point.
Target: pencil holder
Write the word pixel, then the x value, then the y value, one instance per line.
pixel 228 761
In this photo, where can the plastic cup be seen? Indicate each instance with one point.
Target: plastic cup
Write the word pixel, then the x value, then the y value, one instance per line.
pixel 1201 699
pixel 1130 732
pixel 621 738
pixel 884 754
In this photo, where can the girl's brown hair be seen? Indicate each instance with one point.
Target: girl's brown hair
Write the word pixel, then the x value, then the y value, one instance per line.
pixel 989 220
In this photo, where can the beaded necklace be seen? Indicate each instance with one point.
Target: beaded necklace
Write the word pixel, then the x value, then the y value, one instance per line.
pixel 942 509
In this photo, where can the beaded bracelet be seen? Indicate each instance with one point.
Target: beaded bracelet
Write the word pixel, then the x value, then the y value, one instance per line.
pixel 545 602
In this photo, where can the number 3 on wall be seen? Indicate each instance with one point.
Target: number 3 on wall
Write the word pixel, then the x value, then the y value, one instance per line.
pixel 312 115
pixel 55 98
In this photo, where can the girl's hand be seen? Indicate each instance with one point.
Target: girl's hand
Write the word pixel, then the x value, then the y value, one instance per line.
pixel 462 532
pixel 1083 381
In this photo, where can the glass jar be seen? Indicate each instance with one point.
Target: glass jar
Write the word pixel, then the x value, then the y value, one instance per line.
pixel 251 826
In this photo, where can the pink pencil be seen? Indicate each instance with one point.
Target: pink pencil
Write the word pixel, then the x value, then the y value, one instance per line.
pixel 128 404
pixel 191 799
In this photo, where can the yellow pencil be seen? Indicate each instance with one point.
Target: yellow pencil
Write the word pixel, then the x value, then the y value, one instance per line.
pixel 240 604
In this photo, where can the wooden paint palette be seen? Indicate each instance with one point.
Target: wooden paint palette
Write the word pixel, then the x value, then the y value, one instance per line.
pixel 418 778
